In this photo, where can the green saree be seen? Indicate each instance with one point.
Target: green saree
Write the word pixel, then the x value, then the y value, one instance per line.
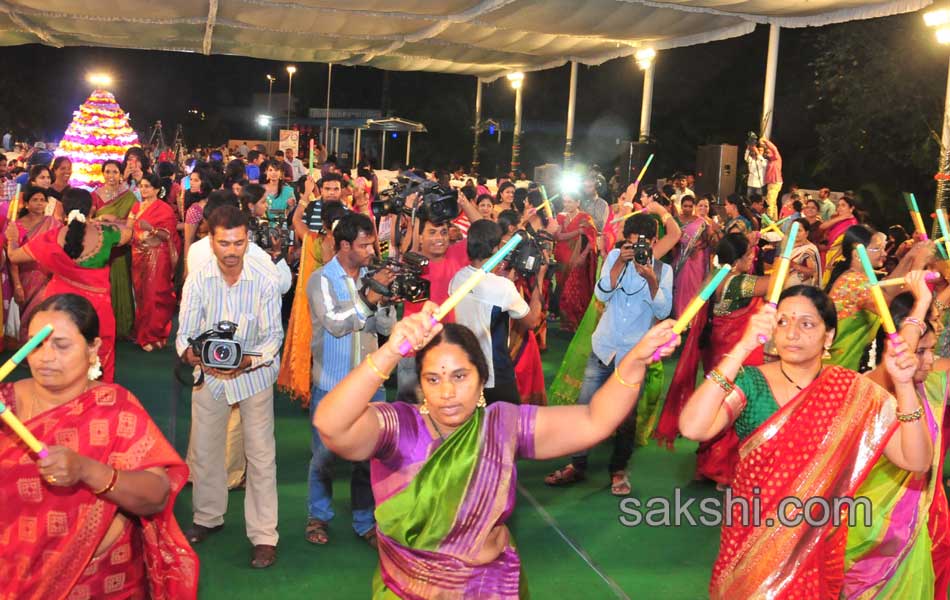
pixel 120 270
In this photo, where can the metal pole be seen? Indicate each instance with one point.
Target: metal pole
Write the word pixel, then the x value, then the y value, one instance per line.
pixel 571 105
pixel 646 106
pixel 408 146
pixel 516 138
pixel 357 140
pixel 326 141
pixel 478 125
pixel 771 71
pixel 382 156
pixel 290 85
pixel 270 92
pixel 943 188
pixel 336 144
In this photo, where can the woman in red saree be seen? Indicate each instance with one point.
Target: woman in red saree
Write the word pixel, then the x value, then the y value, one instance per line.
pixel 443 472
pixel 29 280
pixel 94 518
pixel 576 254
pixel 734 304
pixel 832 232
pixel 154 256
pixel 78 257
pixel 807 431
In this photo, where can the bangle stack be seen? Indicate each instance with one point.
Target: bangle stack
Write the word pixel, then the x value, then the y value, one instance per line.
pixel 632 386
pixel 918 323
pixel 911 417
pixel 372 365
pixel 721 380
pixel 112 482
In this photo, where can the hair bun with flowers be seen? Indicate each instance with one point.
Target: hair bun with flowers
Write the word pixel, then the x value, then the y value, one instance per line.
pixel 75 215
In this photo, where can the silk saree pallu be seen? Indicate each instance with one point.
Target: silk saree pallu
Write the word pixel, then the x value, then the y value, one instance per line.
pixel 49 535
pixel 821 444
pixel 576 284
pixel 153 273
pixel 431 530
pixel 120 266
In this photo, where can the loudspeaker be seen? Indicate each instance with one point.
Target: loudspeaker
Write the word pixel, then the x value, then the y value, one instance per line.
pixel 716 170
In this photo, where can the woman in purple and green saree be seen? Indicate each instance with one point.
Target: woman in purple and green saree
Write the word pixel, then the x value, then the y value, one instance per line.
pixel 444 471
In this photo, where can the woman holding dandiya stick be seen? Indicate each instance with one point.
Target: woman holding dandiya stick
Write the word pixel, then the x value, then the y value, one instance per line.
pixel 94 517
pixel 807 431
pixel 907 554
pixel 443 472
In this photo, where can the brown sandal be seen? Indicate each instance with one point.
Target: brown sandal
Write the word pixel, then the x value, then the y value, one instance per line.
pixel 263 556
pixel 370 537
pixel 316 531
pixel 565 476
pixel 619 483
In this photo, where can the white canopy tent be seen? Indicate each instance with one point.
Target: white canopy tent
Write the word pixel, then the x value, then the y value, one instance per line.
pixel 483 38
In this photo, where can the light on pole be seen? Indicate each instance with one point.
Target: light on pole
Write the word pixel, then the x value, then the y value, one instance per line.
pixel 939 19
pixel 290 84
pixel 516 79
pixel 646 58
pixel 270 92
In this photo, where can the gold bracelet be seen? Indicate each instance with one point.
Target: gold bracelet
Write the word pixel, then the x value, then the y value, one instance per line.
pixel 372 365
pixel 911 417
pixel 721 380
pixel 632 386
pixel 111 485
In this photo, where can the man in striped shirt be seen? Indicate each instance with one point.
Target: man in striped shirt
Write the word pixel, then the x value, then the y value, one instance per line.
pixel 346 317
pixel 232 289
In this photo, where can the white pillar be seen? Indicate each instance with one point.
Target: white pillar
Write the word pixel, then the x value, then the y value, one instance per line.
pixel 408 147
pixel 326 141
pixel 944 164
pixel 771 71
pixel 516 138
pixel 478 124
pixel 646 107
pixel 382 156
pixel 357 140
pixel 571 105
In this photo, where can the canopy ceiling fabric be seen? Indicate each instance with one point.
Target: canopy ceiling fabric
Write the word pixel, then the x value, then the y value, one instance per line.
pixel 484 38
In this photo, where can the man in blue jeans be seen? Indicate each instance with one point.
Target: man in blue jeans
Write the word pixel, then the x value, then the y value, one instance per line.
pixel 637 289
pixel 346 317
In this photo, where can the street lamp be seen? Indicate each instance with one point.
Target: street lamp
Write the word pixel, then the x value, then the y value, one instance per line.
pixel 290 84
pixel 264 121
pixel 645 58
pixel 270 92
pixel 939 19
pixel 516 79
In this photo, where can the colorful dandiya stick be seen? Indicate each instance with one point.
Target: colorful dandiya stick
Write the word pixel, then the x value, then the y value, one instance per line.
pixel 929 276
pixel 13 207
pixel 944 232
pixel 771 225
pixel 915 215
pixel 446 307
pixel 547 202
pixel 8 417
pixel 310 168
pixel 887 321
pixel 694 306
pixel 784 262
pixel 643 171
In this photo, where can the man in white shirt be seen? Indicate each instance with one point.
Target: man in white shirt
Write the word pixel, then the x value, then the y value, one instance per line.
pixel 756 163
pixel 680 189
pixel 295 164
pixel 487 308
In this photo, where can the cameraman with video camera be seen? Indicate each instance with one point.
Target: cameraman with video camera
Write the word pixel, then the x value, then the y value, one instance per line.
pixel 637 289
pixel 342 305
pixel 230 309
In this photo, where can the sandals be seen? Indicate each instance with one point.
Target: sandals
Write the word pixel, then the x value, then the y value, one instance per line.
pixel 565 476
pixel 370 537
pixel 199 533
pixel 316 531
pixel 263 556
pixel 619 483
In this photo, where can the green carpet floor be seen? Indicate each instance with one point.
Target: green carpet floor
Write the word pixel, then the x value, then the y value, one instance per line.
pixel 571 540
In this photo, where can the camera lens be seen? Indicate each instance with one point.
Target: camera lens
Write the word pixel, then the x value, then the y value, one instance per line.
pixel 222 353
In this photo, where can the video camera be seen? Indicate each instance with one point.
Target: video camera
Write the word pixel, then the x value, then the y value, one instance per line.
pixel 440 205
pixel 528 256
pixel 217 348
pixel 408 286
pixel 264 232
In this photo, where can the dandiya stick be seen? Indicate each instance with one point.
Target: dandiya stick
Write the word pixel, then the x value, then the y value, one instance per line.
pixel 915 215
pixel 930 276
pixel 944 230
pixel 5 414
pixel 13 207
pixel 887 321
pixel 646 166
pixel 694 306
pixel 772 225
pixel 310 168
pixel 784 262
pixel 446 307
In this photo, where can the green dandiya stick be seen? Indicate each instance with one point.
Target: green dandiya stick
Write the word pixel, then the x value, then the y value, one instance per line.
pixel 915 214
pixel 944 232
pixel 887 321
pixel 643 171
pixel 694 306
pixel 8 417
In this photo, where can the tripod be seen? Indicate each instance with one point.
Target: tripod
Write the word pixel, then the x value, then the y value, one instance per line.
pixel 157 134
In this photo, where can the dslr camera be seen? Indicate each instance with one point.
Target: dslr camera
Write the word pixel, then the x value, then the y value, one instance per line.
pixel 642 251
pixel 439 204
pixel 217 348
pixel 408 286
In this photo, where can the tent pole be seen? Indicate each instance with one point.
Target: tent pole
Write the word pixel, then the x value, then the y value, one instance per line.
pixel 516 138
pixel 646 107
pixel 571 105
pixel 771 71
pixel 408 147
pixel 478 124
pixel 382 157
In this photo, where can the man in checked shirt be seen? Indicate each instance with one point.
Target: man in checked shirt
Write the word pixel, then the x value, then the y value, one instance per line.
pixel 232 289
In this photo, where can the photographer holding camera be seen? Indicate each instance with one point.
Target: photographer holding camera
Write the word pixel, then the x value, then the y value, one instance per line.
pixel 225 291
pixel 347 314
pixel 637 289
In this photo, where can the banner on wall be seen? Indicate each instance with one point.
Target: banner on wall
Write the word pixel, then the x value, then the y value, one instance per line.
pixel 289 138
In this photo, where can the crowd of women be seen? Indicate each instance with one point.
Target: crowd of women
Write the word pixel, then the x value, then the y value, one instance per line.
pixel 825 407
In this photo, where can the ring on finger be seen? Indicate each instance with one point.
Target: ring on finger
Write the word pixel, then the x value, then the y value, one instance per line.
pixel 51 478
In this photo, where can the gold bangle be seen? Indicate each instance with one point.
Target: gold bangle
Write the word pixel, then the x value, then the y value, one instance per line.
pixel 111 485
pixel 911 417
pixel 721 380
pixel 632 386
pixel 372 365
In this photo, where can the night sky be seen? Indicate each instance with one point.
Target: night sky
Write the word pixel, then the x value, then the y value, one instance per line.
pixel 703 94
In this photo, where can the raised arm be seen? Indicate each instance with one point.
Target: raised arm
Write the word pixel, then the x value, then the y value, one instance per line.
pixel 562 430
pixel 673 232
pixel 345 418
pixel 911 447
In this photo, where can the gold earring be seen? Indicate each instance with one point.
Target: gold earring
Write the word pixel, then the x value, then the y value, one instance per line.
pixel 423 408
pixel 827 354
pixel 481 401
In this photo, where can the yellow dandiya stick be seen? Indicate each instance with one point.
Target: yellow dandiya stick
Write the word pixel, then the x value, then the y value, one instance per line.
pixel 646 166
pixel 547 202
pixel 694 306
pixel 13 207
pixel 771 225
pixel 944 230
pixel 310 169
pixel 8 417
pixel 930 276
pixel 887 321
pixel 784 262
pixel 446 307
pixel 915 214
